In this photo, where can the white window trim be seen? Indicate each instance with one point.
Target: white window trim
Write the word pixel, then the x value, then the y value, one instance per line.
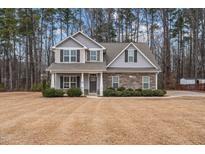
pixel 133 56
pixel 69 80
pixel 69 55
pixel 145 82
pixel 116 82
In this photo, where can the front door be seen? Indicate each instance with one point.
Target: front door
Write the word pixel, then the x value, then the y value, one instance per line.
pixel 93 83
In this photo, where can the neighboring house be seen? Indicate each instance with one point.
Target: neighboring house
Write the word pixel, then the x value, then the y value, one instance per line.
pixel 82 62
pixel 190 81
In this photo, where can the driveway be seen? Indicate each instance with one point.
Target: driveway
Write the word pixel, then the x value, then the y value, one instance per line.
pixel 28 118
pixel 185 93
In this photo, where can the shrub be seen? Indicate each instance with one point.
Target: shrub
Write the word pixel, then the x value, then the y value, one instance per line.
pixel 147 92
pixel 158 92
pixel 74 92
pixel 59 92
pixel 45 85
pixel 2 88
pixel 137 93
pixel 130 89
pixel 51 92
pixel 109 92
pixel 111 88
pixel 121 89
pixel 130 92
pixel 119 93
pixel 127 93
pixel 165 92
pixel 138 89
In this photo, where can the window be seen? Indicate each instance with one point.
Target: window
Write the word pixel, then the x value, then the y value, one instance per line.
pixel 93 55
pixel 131 55
pixel 66 55
pixel 145 82
pixel 115 81
pixel 73 81
pixel 73 55
pixel 69 81
pixel 70 55
pixel 66 83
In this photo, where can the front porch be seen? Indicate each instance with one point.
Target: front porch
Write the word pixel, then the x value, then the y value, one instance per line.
pixel 90 83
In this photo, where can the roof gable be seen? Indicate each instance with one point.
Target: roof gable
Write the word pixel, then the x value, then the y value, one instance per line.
pixel 114 50
pixel 142 62
pixel 86 40
pixel 69 42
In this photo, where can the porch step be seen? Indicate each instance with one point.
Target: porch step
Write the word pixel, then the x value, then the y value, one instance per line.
pixel 92 94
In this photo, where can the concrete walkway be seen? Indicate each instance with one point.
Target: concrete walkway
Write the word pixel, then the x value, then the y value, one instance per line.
pixel 184 93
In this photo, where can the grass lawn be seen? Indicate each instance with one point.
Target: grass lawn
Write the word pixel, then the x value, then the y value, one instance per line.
pixel 28 118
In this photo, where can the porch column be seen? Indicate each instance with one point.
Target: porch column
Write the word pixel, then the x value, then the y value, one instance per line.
pixel 101 84
pixel 156 81
pixel 52 80
pixel 82 84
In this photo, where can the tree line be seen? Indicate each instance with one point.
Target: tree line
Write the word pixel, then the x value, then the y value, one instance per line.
pixel 176 37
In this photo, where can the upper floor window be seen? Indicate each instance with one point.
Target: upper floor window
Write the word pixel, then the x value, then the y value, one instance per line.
pixel 66 56
pixel 145 82
pixel 73 55
pixel 93 55
pixel 131 55
pixel 70 55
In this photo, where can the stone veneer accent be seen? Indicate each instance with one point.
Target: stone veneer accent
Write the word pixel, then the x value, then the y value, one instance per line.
pixel 128 80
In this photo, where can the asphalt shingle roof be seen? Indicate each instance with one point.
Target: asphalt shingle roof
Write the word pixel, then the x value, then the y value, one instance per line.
pixel 112 50
pixel 73 67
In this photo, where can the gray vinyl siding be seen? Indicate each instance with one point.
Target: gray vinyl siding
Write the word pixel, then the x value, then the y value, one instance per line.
pixel 141 61
pixel 57 55
pixel 70 43
pixel 85 41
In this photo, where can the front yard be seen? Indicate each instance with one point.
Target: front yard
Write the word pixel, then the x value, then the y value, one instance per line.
pixel 28 118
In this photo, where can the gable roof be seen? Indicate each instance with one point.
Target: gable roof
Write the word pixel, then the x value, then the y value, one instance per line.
pixel 86 36
pixel 115 49
pixel 67 38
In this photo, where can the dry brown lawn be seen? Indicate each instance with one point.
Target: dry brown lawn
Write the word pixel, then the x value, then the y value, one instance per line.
pixel 28 118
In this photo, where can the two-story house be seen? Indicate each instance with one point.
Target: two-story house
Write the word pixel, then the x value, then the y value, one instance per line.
pixel 82 62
